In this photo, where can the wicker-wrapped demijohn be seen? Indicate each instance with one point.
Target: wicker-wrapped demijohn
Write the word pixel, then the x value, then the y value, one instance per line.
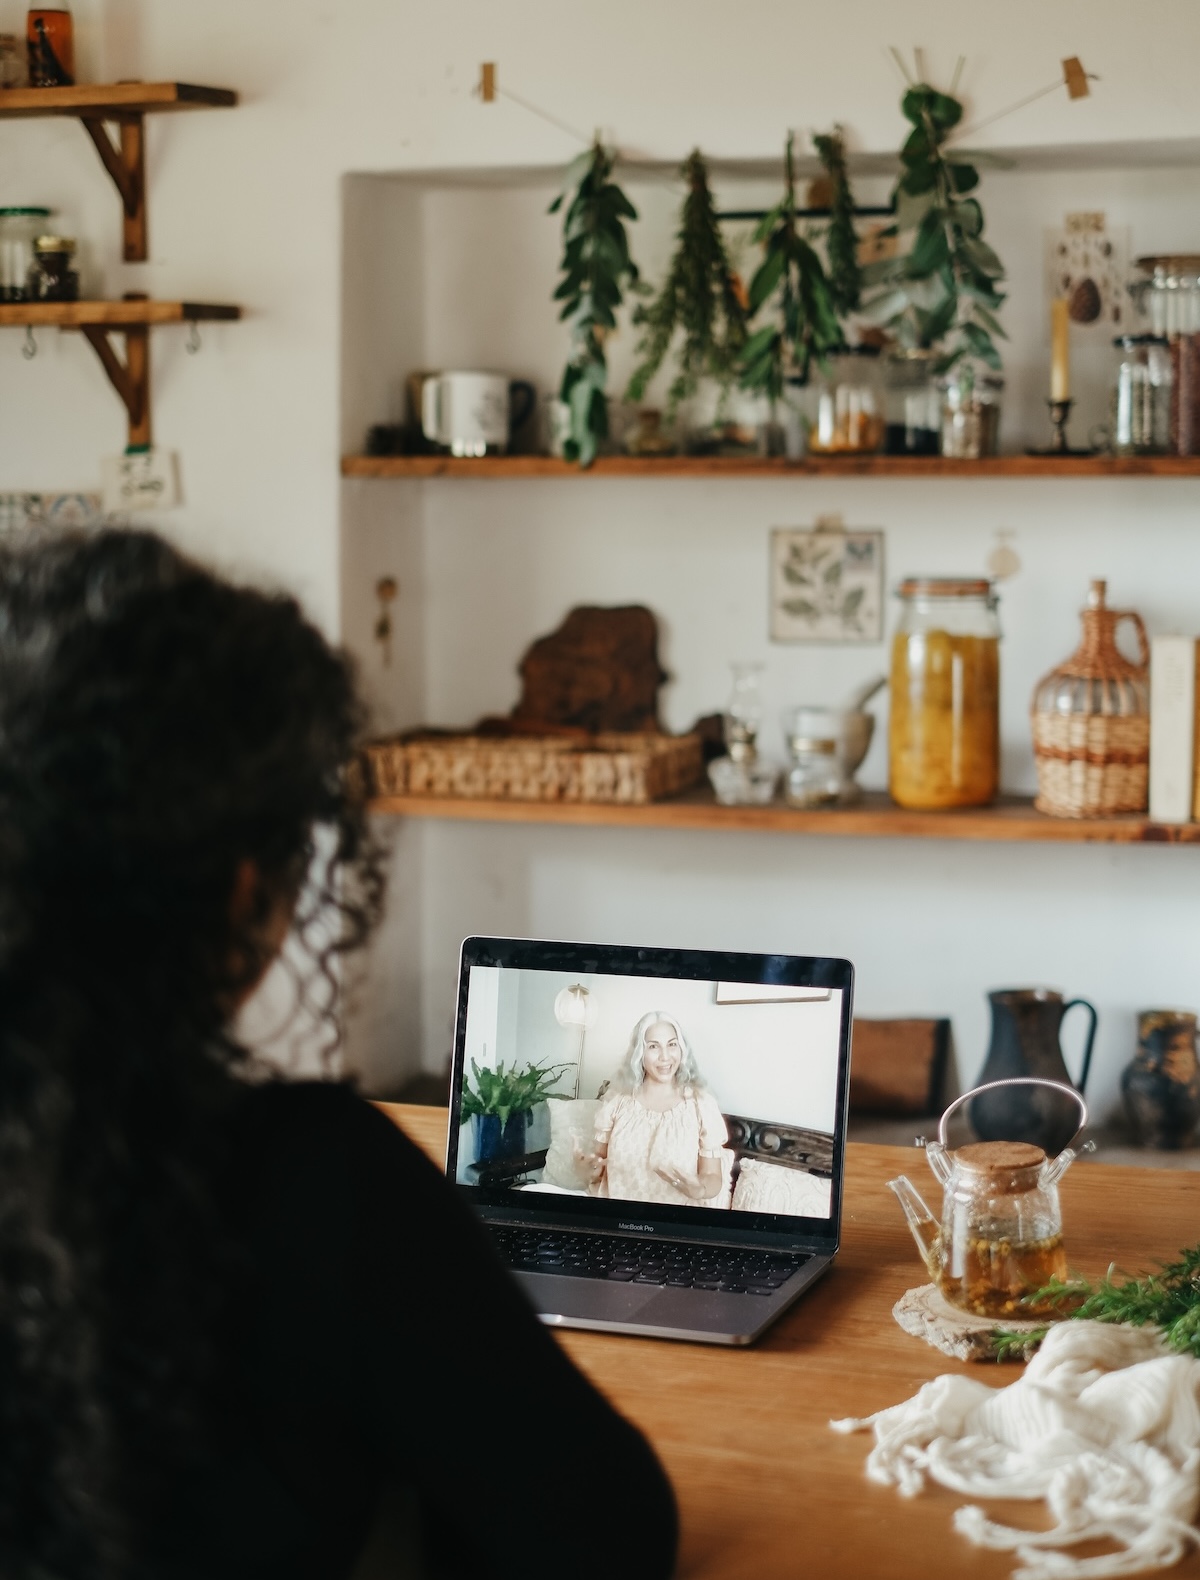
pixel 1091 721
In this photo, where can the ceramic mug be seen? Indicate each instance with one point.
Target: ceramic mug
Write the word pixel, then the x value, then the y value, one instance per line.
pixel 473 413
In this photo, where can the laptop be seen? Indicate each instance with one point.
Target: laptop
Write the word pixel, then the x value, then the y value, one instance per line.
pixel 654 1137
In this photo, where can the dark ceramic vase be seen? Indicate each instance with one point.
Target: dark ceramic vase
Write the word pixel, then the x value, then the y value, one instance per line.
pixel 1161 1084
pixel 1025 1032
pixel 501 1141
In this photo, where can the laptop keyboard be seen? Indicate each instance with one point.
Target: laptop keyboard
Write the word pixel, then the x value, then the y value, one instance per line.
pixel 671 1264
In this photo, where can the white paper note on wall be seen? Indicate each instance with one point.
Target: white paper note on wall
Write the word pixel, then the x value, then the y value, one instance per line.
pixel 1172 727
pixel 140 480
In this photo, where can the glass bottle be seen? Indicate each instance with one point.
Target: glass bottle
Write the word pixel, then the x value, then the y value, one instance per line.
pixel 1141 398
pixel 19 228
pixel 912 402
pixel 1091 720
pixel 50 40
pixel 944 735
pixel 849 404
pixel 970 413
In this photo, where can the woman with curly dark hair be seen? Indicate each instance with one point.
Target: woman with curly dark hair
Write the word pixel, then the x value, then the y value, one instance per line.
pixel 236 1314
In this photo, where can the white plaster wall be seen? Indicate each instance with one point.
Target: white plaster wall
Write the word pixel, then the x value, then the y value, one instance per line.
pixel 246 206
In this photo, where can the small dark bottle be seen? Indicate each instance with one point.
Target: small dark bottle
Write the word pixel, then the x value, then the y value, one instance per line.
pixel 51 277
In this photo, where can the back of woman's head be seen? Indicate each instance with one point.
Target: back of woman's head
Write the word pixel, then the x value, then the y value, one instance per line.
pixel 166 740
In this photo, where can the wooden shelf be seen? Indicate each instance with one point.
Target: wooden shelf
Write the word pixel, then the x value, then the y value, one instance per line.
pixel 127 104
pixel 1012 819
pixel 111 100
pixel 111 315
pixel 132 318
pixel 704 466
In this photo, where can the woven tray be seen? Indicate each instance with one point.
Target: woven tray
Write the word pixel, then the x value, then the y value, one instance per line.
pixel 622 768
pixel 1092 764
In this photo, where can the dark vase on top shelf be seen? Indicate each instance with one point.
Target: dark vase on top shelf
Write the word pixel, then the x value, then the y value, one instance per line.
pixel 1161 1085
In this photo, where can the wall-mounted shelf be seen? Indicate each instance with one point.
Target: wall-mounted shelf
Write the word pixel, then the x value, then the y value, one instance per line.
pixel 1011 820
pixel 127 104
pixel 705 466
pixel 132 318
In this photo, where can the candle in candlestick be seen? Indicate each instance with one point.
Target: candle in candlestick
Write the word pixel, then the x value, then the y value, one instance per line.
pixel 1060 353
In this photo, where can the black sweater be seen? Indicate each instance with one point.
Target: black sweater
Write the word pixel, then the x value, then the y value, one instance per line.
pixel 382 1342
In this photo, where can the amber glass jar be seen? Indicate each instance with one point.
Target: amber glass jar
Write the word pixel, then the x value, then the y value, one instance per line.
pixel 944 742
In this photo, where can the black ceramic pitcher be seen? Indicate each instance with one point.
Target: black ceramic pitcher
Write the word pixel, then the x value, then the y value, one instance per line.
pixel 1025 1028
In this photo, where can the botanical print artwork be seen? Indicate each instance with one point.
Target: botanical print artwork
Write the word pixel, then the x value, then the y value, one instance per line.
pixel 826 585
pixel 1088 264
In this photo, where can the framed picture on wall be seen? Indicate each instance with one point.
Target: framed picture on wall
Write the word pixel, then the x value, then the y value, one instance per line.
pixel 826 584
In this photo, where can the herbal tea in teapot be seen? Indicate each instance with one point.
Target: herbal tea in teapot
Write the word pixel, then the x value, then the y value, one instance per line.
pixel 999 1238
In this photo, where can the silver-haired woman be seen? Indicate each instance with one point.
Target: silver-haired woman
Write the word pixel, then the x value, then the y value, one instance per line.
pixel 660 1135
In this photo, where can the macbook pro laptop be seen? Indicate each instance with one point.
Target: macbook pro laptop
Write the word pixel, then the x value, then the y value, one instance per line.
pixel 654 1137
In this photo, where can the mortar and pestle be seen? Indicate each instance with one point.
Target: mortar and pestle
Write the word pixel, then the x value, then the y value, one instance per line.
pixel 827 747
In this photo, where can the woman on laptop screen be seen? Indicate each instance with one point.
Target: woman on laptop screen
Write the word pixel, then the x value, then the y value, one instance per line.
pixel 660 1136
pixel 237 1315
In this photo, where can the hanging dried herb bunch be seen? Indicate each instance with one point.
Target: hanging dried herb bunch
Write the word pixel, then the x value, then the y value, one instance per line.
pixel 699 303
pixel 841 239
pixel 943 290
pixel 596 271
pixel 792 279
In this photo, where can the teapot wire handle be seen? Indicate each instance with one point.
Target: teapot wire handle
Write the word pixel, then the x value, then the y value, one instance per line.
pixel 1017 1080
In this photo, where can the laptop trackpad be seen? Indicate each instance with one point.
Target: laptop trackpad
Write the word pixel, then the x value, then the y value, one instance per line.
pixel 593 1298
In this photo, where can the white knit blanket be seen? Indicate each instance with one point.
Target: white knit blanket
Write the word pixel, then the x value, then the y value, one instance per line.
pixel 1104 1425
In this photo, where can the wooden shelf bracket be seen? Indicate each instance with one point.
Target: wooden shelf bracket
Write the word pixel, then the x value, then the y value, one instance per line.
pixel 125 161
pixel 130 377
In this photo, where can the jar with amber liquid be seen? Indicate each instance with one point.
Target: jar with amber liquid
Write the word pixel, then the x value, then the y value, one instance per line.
pixel 50 41
pixel 944 741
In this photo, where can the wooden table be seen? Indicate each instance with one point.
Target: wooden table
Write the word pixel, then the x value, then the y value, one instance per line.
pixel 764 1487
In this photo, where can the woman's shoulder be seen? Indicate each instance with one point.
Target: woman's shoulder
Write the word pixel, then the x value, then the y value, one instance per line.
pixel 324 1132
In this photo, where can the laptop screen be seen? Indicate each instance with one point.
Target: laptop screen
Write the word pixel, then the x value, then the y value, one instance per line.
pixel 636 1084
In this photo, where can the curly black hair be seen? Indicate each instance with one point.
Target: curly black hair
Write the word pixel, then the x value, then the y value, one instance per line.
pixel 161 732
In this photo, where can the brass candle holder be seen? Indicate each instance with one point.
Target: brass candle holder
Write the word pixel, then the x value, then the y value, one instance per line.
pixel 1060 411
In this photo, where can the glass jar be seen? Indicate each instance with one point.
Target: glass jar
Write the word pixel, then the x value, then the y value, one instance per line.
pixel 944 737
pixel 1170 299
pixel 912 403
pixel 815 777
pixel 970 413
pixel 19 228
pixel 1141 398
pixel 50 40
pixel 51 277
pixel 849 404
pixel 13 73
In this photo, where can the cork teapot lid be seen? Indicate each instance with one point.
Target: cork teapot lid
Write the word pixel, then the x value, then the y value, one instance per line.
pixel 999 1157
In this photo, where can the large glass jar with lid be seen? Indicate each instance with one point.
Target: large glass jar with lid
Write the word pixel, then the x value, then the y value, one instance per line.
pixel 1169 296
pixel 944 734
pixel 912 402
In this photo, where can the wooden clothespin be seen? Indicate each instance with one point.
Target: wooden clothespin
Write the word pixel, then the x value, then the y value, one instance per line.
pixel 487 81
pixel 1075 78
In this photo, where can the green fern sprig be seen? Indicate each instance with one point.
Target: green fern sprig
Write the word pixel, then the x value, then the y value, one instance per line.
pixel 698 303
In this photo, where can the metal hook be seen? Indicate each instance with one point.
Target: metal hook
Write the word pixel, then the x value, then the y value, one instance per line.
pixel 193 343
pixel 29 349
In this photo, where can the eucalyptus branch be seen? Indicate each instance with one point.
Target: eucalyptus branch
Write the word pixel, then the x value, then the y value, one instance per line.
pixel 596 271
pixel 699 302
pixel 792 278
pixel 943 290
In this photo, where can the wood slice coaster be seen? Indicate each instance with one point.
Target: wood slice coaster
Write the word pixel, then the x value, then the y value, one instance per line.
pixel 928 1315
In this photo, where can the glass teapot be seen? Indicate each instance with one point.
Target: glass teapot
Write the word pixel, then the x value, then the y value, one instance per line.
pixel 999 1239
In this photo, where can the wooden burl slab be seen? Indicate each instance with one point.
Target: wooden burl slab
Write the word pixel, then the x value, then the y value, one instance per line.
pixel 928 1315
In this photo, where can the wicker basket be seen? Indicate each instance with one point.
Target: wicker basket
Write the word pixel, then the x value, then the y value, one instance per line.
pixel 621 768
pixel 1091 723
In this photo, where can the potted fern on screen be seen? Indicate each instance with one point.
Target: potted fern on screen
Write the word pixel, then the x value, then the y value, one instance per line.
pixel 501 1101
